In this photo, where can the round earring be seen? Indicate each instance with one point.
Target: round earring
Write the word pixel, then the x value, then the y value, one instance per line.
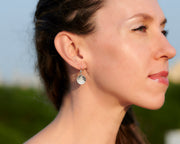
pixel 81 79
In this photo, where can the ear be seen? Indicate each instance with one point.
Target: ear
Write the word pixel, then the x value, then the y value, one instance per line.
pixel 67 45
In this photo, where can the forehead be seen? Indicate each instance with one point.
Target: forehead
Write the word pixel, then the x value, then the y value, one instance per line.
pixel 127 8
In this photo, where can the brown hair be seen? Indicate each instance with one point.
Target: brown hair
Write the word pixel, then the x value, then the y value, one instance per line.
pixel 51 17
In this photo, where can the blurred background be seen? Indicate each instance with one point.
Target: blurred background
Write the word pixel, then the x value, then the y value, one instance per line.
pixel 24 107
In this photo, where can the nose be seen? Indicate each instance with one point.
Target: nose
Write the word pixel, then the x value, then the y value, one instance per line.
pixel 165 49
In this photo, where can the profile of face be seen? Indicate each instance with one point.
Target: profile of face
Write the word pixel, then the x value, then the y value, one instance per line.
pixel 128 53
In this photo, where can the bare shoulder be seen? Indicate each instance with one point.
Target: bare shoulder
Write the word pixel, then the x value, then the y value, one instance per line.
pixel 37 139
pixel 52 133
pixel 45 136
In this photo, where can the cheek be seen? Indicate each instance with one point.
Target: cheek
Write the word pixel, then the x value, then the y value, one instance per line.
pixel 120 67
pixel 119 59
pixel 115 66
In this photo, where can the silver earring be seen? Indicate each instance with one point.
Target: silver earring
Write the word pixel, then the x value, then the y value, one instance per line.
pixel 81 79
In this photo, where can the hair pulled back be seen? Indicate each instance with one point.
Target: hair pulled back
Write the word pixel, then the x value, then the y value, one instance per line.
pixel 75 16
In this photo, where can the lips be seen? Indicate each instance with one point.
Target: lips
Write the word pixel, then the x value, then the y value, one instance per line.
pixel 160 77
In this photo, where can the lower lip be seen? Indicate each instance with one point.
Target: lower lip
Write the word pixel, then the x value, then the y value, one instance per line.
pixel 163 80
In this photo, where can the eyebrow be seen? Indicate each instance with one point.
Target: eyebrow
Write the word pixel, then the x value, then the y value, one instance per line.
pixel 148 17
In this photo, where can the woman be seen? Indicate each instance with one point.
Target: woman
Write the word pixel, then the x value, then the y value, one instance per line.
pixel 96 59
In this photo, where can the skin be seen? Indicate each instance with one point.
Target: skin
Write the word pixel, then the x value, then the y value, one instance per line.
pixel 117 60
pixel 121 59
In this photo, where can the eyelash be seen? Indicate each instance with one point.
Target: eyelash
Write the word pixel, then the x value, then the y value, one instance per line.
pixel 144 28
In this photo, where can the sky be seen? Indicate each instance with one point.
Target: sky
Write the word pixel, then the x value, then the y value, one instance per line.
pixel 17 54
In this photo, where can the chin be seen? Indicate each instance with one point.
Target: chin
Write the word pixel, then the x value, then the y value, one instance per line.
pixel 156 106
pixel 154 103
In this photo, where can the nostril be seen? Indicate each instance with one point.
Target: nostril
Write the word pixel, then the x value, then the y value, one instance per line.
pixel 166 57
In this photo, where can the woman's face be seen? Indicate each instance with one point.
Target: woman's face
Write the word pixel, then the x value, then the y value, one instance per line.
pixel 128 52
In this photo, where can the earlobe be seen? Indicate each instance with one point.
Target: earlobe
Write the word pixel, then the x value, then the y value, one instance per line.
pixel 66 46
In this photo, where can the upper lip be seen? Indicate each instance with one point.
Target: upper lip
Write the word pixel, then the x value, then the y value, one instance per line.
pixel 159 74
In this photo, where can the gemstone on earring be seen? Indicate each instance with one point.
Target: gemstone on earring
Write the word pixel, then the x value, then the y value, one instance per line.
pixel 81 79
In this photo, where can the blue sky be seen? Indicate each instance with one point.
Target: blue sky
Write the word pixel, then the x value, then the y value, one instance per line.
pixel 17 54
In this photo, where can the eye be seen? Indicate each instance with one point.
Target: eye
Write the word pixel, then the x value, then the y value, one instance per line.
pixel 165 32
pixel 141 28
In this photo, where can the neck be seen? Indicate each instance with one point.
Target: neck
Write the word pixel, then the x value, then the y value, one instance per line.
pixel 88 116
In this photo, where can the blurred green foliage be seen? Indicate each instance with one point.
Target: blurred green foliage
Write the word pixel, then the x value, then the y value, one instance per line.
pixel 24 112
